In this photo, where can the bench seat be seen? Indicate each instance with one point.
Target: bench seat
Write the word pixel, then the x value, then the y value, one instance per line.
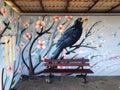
pixel 53 64
pixel 67 71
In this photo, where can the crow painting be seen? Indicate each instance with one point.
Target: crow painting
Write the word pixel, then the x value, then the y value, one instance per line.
pixel 69 37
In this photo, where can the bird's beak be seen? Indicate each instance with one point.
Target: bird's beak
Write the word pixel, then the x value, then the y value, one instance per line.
pixel 84 19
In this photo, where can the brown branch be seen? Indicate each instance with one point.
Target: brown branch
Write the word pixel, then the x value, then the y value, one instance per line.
pixel 1 13
pixel 37 73
pixel 17 66
pixel 49 48
pixel 51 44
pixel 22 31
pixel 12 77
pixel 74 56
pixel 88 47
pixel 4 42
pixel 15 73
pixel 43 20
pixel 6 26
pixel 23 55
pixel 37 65
pixel 65 22
pixel 86 36
pixel 40 34
pixel 30 61
pixel 48 28
pixel 2 79
pixel 31 71
pixel 48 51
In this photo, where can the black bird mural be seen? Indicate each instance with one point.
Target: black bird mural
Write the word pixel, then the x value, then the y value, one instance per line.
pixel 69 37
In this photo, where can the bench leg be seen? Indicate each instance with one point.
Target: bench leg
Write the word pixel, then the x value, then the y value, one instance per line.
pixel 84 77
pixel 48 79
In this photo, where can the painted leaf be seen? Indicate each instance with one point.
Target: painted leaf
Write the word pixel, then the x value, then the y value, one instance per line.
pixel 48 32
pixel 53 44
pixel 13 82
pixel 73 51
pixel 9 28
pixel 39 58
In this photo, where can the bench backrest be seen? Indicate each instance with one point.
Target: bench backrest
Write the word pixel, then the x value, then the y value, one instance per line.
pixel 67 62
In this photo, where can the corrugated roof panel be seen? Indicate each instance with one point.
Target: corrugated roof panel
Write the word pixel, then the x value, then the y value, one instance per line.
pixel 77 8
pixel 109 4
pixel 54 3
pixel 60 5
pixel 116 9
pixel 100 9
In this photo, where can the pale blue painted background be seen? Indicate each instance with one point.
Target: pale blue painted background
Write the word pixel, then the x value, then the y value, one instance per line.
pixel 108 32
pixel 107 57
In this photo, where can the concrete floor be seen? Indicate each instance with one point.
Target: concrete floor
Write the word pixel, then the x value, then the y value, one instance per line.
pixel 71 83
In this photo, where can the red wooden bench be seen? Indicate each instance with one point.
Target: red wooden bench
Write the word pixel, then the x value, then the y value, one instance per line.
pixel 52 64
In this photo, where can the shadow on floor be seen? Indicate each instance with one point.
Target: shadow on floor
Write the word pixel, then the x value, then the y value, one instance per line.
pixel 70 83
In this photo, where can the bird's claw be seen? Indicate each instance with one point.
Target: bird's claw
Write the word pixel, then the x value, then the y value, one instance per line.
pixel 77 46
pixel 68 53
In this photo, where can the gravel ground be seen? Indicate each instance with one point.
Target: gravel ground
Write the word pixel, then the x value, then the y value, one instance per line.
pixel 70 83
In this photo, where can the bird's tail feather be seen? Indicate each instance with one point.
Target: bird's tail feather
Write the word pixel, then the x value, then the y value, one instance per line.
pixel 56 53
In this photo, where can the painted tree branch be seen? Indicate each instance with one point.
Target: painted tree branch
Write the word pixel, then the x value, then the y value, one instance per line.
pixel 22 32
pixel 23 55
pixel 50 46
pixel 31 71
pixel 91 47
pixel 37 73
pixel 36 65
pixel 86 36
pixel 65 22
pixel 1 13
pixel 80 45
pixel 4 42
pixel 53 36
pixel 15 73
pixel 30 56
pixel 6 26
pixel 43 20
pixel 2 79
pixel 17 66
pixel 7 41
pixel 13 76
pixel 39 35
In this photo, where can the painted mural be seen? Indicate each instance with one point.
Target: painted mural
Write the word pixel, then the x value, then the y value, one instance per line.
pixel 10 68
pixel 56 37
pixel 26 41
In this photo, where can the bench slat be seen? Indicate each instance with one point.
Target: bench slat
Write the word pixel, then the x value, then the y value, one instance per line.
pixel 67 60
pixel 66 64
pixel 67 71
